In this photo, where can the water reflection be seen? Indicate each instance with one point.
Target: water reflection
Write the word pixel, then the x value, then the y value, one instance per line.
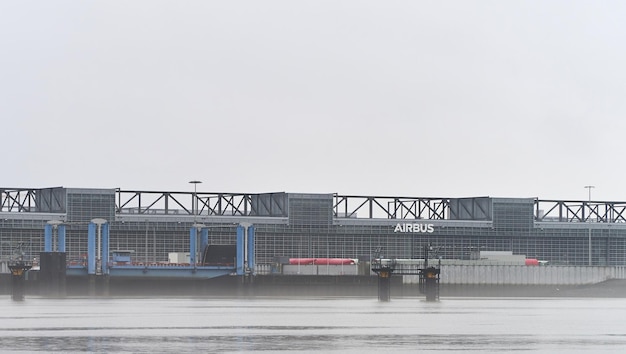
pixel 303 342
pixel 186 325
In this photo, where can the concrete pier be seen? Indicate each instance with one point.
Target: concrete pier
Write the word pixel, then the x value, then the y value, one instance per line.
pixel 52 274
pixel 18 272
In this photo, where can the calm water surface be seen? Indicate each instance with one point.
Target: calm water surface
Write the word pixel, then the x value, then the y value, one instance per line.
pixel 341 325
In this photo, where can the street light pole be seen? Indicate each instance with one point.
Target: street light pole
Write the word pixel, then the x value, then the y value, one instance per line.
pixel 589 220
pixel 194 204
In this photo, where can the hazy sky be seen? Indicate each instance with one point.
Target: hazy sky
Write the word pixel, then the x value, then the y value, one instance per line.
pixel 407 98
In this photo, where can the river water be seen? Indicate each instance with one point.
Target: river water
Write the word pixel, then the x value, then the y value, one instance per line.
pixel 340 325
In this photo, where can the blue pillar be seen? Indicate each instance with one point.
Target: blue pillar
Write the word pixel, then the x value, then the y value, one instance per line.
pixel 204 240
pixel 105 248
pixel 91 248
pixel 47 238
pixel 251 248
pixel 61 236
pixel 193 240
pixel 240 249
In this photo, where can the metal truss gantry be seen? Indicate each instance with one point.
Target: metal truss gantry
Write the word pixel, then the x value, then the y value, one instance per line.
pixel 201 203
pixel 580 211
pixel 53 200
pixel 351 206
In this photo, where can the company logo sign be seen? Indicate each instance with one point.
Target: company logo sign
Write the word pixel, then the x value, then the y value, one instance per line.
pixel 414 228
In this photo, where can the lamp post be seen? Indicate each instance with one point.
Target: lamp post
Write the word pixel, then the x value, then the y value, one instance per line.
pixel 194 204
pixel 589 220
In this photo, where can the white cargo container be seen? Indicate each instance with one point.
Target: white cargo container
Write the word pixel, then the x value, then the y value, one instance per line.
pixel 178 257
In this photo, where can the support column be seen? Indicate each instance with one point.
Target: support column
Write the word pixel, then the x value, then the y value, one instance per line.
pixel 384 268
pixel 429 278
pixel 61 237
pixel 18 272
pixel 250 250
pixel 204 242
pixel 193 241
pixel 98 256
pixel 384 285
pixel 91 249
pixel 104 256
pixel 54 236
pixel 429 283
pixel 47 238
pixel 195 257
pixel 52 261
pixel 240 259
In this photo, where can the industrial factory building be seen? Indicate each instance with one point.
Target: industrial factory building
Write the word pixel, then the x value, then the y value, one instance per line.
pixel 152 227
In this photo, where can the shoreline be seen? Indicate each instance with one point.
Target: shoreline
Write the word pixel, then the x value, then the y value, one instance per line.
pixel 357 286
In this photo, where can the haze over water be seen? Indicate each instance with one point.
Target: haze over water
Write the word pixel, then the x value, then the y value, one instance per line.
pixel 342 325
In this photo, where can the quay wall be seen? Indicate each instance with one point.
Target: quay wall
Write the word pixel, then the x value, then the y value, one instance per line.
pixel 306 285
pixel 456 280
pixel 474 274
pixel 524 275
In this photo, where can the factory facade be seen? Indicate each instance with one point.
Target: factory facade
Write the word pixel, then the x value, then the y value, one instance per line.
pixel 152 225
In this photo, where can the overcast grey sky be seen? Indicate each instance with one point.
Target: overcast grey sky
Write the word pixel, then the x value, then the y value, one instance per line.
pixel 408 98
